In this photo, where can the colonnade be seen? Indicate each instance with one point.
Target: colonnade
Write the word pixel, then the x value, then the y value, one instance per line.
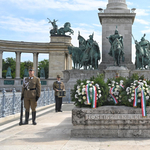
pixel 67 63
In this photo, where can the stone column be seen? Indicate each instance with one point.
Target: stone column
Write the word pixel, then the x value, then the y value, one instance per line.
pixel 116 14
pixel 69 62
pixel 1 62
pixel 35 63
pixel 18 54
pixel 49 70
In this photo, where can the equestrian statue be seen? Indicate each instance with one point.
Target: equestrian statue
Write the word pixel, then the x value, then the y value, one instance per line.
pixel 87 55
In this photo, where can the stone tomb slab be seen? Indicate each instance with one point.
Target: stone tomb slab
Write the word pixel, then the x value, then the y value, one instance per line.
pixel 110 121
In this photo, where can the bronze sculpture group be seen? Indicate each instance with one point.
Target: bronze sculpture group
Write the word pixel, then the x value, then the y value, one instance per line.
pixel 62 30
pixel 86 55
pixel 142 60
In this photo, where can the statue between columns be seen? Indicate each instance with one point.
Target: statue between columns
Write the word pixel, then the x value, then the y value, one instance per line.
pixel 42 73
pixel 62 30
pixel 8 74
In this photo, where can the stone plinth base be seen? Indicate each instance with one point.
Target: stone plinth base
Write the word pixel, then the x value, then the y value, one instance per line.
pixel 110 121
pixel 71 76
pixel 146 73
pixel 113 71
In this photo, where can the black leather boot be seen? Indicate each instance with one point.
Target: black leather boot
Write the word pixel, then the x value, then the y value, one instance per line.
pixel 26 117
pixel 33 118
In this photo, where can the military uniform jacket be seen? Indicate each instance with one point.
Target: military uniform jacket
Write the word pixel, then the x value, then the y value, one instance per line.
pixel 58 85
pixel 31 87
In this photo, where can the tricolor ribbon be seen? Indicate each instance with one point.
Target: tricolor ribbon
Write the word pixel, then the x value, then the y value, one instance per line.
pixel 135 97
pixel 143 101
pixel 121 86
pixel 113 97
pixel 88 94
pixel 94 96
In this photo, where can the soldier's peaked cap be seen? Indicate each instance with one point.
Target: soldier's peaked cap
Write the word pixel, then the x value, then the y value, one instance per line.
pixel 58 76
pixel 31 68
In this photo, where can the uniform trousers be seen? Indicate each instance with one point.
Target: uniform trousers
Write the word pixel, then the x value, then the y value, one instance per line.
pixel 58 103
pixel 30 102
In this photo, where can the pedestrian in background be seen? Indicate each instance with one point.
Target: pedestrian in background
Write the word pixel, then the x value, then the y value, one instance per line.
pixel 58 85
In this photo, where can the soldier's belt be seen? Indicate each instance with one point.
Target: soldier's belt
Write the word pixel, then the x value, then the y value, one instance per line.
pixel 30 89
pixel 61 93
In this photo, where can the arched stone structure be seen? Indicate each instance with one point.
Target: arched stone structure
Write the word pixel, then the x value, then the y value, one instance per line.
pixel 59 58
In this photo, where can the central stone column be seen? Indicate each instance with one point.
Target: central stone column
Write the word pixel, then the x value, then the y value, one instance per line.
pixel 116 14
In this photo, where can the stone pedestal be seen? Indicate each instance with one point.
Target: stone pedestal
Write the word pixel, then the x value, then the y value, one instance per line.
pixel 116 14
pixel 146 73
pixel 71 76
pixel 59 59
pixel 112 71
pixel 110 121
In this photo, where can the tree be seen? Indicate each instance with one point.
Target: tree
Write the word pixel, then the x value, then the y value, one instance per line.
pixel 43 64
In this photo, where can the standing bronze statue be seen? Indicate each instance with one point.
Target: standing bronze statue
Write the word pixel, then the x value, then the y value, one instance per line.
pixel 116 50
pixel 55 27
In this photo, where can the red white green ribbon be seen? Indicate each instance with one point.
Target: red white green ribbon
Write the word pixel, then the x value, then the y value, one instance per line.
pixel 88 94
pixel 111 93
pixel 94 96
pixel 135 97
pixel 121 86
pixel 143 103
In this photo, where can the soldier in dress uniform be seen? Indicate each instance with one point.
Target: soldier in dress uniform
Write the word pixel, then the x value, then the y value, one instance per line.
pixel 58 85
pixel 31 91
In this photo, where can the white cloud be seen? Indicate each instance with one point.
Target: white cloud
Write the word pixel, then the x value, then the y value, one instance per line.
pixel 142 12
pixel 23 24
pixel 142 21
pixel 60 4
pixel 129 3
pixel 146 30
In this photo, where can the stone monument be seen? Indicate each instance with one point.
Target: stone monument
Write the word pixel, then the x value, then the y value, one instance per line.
pixel 116 14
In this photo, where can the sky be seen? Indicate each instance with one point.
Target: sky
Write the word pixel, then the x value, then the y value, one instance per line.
pixel 26 20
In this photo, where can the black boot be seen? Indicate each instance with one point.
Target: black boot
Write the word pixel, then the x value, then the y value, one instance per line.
pixel 26 117
pixel 33 118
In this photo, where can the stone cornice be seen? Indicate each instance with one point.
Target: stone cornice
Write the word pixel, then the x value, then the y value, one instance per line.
pixel 116 15
pixel 31 47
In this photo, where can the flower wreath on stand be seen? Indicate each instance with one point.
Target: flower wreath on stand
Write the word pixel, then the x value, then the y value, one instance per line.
pixel 90 93
pixel 138 92
pixel 115 89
